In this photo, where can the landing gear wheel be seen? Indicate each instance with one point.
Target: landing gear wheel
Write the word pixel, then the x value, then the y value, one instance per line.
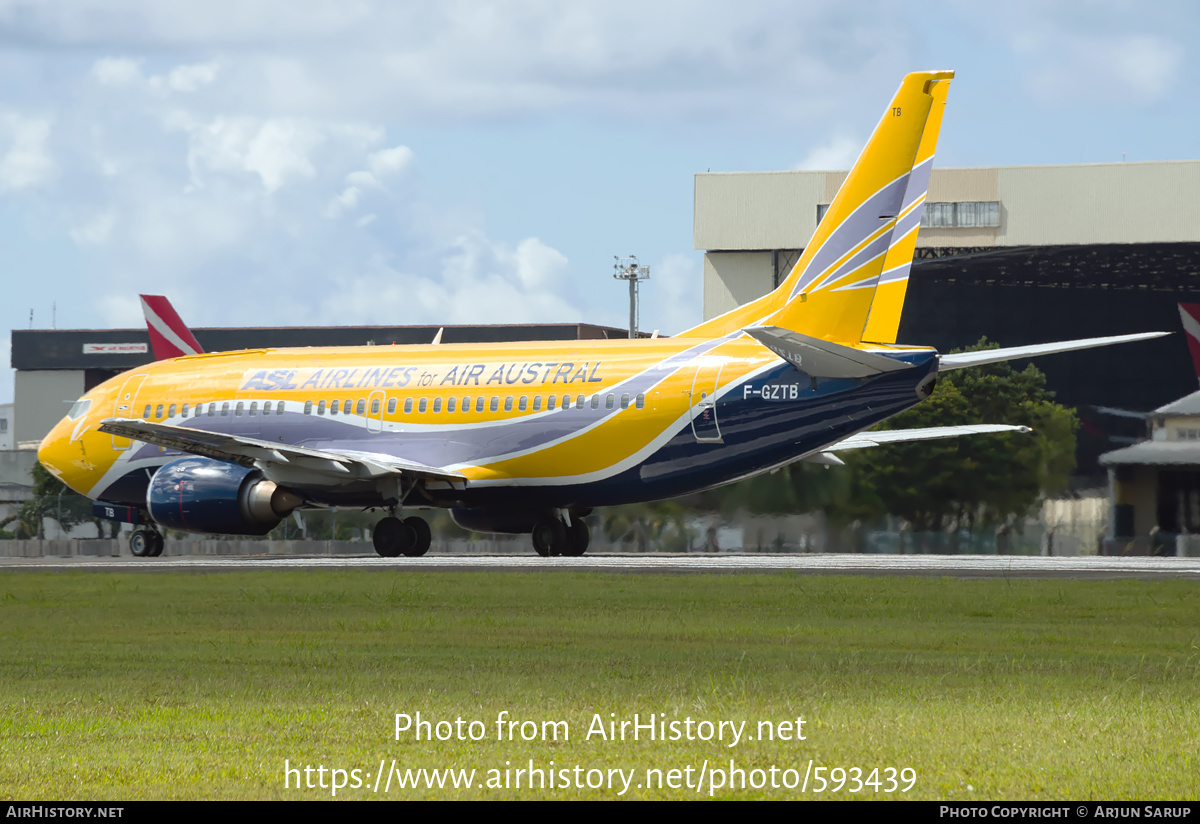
pixel 578 538
pixel 393 536
pixel 549 537
pixel 141 543
pixel 156 545
pixel 422 534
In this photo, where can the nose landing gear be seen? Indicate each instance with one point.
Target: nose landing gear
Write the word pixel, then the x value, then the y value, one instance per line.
pixel 145 542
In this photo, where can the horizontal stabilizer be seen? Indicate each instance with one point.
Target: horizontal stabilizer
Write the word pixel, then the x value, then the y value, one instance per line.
pixel 820 358
pixel 961 360
pixel 253 452
pixel 885 436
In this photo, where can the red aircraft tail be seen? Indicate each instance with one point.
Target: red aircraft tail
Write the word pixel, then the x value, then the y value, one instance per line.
pixel 169 336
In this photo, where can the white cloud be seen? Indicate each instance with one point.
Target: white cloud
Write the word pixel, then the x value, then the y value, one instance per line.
pixel 390 161
pixel 274 149
pixel 670 300
pixel 117 71
pixel 24 158
pixel 834 155
pixel 193 77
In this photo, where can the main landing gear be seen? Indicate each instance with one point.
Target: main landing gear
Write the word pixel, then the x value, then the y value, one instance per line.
pixel 394 537
pixel 145 542
pixel 552 536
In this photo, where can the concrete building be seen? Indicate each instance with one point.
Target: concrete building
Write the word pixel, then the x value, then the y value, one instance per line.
pixel 1024 254
pixel 1155 485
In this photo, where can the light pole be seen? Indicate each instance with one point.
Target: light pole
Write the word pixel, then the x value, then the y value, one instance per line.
pixel 628 269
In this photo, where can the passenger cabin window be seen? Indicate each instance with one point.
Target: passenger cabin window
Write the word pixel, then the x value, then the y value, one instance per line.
pixel 391 406
pixel 146 412
pixel 308 407
pixel 171 411
pixel 595 401
pixel 320 407
pixel 408 406
pixel 266 408
pixel 624 400
pixel 450 404
pixel 253 408
pixel 225 409
pixel 212 409
pixel 347 405
pixel 640 401
pixel 422 405
pixel 183 412
pixel 437 405
pixel 333 407
pixel 537 402
pixel 495 404
pixel 238 410
pixel 550 403
pixel 521 404
pixel 361 407
pixel 609 401
pixel 580 401
pixel 375 406
pixel 158 411
pixel 279 408
pixel 508 404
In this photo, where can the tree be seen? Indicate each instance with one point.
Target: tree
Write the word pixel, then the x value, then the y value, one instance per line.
pixel 51 498
pixel 976 479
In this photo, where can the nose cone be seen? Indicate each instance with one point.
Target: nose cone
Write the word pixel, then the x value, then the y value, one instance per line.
pixel 61 452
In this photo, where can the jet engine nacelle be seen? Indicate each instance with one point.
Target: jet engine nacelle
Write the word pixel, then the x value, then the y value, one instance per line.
pixel 203 495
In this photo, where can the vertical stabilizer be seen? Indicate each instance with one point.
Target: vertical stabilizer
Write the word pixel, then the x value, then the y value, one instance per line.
pixel 829 292
pixel 883 322
pixel 1189 313
pixel 169 336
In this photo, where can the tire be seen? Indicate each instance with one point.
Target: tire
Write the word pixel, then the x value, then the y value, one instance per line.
pixel 578 538
pixel 140 543
pixel 422 534
pixel 549 537
pixel 389 537
pixel 157 542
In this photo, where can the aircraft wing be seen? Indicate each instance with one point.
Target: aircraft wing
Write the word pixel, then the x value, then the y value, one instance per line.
pixel 865 439
pixel 962 360
pixel 338 465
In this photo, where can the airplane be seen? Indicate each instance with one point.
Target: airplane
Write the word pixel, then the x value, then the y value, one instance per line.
pixel 530 437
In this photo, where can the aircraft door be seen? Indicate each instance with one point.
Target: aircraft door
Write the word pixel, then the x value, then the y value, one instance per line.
pixel 125 406
pixel 375 402
pixel 705 427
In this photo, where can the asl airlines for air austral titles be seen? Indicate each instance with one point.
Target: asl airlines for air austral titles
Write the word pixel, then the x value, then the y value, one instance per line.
pixel 528 438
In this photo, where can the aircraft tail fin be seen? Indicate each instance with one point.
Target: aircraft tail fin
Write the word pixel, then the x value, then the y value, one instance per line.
pixel 866 237
pixel 169 335
pixel 1189 313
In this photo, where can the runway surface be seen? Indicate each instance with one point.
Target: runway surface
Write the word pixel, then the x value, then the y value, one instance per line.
pixel 954 566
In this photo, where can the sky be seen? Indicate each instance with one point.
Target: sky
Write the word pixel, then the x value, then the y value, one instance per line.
pixel 285 162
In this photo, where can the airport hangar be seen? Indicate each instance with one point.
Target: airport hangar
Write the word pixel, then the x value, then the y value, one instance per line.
pixel 1021 254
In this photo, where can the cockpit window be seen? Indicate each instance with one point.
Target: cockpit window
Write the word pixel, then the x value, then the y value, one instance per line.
pixel 79 409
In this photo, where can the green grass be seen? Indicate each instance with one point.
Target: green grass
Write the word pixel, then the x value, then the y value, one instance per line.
pixel 179 685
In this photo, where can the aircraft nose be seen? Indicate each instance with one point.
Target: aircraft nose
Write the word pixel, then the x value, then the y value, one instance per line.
pixel 61 454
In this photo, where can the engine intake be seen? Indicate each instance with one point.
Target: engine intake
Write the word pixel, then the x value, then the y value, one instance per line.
pixel 202 495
